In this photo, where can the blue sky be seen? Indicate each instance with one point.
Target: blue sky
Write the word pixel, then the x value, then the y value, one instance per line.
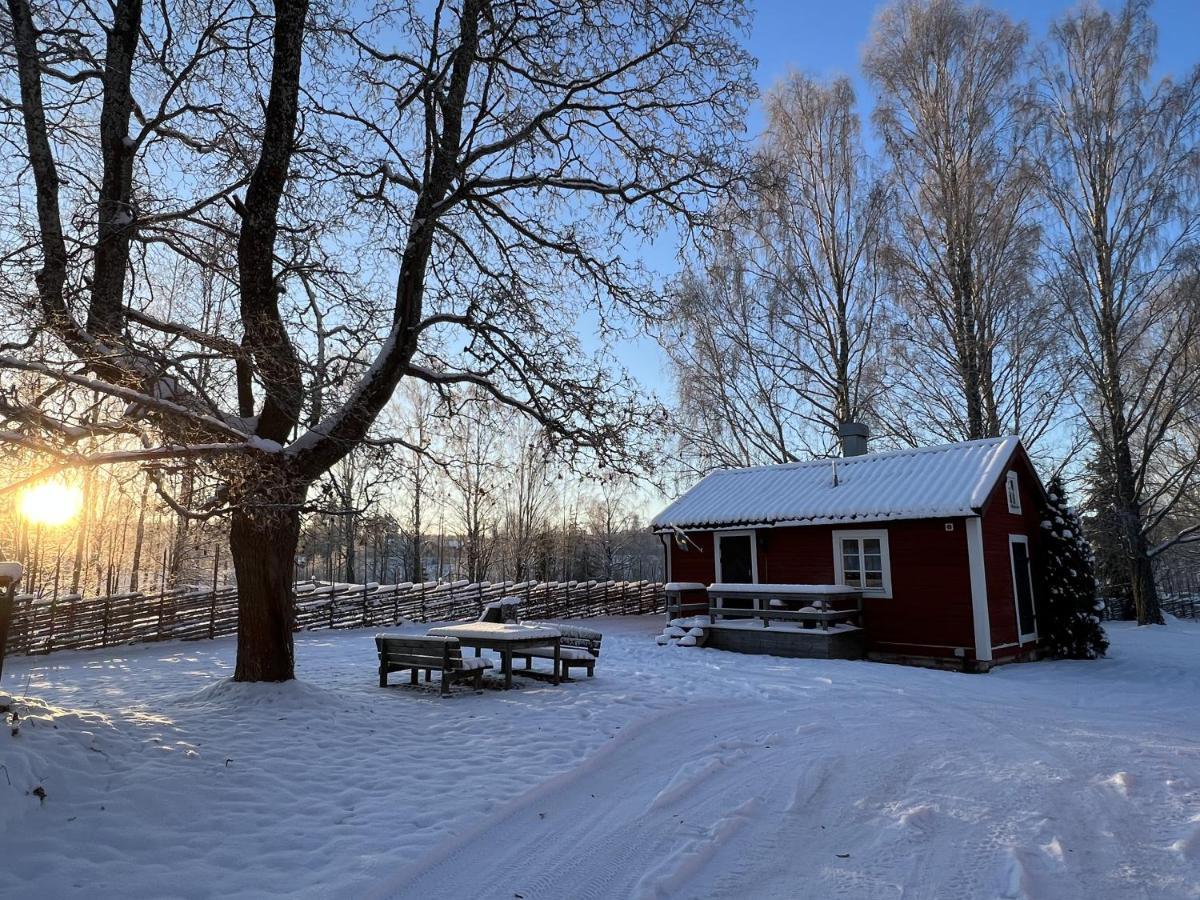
pixel 826 37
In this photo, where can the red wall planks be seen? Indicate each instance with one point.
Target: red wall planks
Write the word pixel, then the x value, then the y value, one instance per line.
pixel 930 606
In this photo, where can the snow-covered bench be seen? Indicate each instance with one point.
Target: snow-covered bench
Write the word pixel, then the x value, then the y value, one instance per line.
pixel 580 649
pixel 417 652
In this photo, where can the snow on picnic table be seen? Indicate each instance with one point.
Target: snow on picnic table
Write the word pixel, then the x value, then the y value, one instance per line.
pixel 671 773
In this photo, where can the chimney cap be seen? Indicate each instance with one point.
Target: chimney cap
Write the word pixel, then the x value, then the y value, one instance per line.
pixel 854 438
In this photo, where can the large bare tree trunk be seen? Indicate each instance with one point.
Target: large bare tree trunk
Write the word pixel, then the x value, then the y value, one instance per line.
pixel 180 540
pixel 263 542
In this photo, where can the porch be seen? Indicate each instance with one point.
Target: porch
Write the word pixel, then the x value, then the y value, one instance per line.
pixel 808 621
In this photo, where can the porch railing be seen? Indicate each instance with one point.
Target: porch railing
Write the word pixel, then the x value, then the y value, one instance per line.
pixel 811 605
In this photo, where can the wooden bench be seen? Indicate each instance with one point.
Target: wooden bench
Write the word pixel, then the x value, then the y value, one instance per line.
pixel 423 652
pixel 580 648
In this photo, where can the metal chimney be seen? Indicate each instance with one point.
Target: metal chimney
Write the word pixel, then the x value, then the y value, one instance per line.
pixel 854 438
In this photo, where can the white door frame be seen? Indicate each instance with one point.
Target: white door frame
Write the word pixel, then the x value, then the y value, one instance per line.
pixel 1022 637
pixel 717 535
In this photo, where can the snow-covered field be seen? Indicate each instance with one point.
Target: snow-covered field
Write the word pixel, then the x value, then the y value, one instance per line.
pixel 674 772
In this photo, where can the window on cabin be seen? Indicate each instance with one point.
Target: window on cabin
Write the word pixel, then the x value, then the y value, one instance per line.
pixel 1013 490
pixel 861 561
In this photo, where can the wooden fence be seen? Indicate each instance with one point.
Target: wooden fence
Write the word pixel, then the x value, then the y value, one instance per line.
pixel 42 625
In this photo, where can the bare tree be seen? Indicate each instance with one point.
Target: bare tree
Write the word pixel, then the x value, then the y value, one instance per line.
pixel 525 501
pixel 1120 162
pixel 414 416
pixel 820 228
pixel 499 152
pixel 610 525
pixel 965 240
pixel 474 476
pixel 776 343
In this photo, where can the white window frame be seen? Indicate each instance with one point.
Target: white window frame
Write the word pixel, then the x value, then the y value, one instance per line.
pixel 1012 492
pixel 1028 637
pixel 839 573
pixel 717 535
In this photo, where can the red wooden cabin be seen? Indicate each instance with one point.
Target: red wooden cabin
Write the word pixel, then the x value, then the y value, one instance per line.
pixel 940 540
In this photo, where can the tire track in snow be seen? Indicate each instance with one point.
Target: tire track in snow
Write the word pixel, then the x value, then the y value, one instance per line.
pixel 590 834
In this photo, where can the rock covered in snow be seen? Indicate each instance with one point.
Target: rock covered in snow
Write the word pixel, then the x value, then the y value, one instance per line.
pixel 685 632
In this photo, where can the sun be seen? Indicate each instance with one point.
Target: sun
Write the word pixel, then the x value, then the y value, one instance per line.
pixel 51 503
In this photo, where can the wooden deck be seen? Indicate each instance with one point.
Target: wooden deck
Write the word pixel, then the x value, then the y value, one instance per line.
pixel 844 642
pixel 797 621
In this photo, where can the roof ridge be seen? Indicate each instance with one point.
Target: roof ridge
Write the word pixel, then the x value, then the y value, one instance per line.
pixel 867 457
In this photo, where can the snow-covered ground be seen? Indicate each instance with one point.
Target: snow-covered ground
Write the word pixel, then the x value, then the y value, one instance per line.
pixel 673 772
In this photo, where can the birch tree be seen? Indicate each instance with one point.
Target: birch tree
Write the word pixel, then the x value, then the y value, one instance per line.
pixel 1120 162
pixel 435 194
pixel 964 245
pixel 777 340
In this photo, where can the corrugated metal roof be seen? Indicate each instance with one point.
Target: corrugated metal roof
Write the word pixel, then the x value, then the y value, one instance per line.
pixel 932 482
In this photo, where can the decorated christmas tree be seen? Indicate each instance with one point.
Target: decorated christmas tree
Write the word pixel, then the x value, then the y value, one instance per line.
pixel 1070 621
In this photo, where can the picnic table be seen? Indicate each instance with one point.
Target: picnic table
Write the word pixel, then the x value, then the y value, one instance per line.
pixel 506 638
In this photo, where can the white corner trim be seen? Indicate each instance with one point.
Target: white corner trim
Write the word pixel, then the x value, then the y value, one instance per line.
pixel 979 596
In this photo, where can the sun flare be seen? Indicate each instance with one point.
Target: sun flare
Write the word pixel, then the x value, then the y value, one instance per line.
pixel 51 503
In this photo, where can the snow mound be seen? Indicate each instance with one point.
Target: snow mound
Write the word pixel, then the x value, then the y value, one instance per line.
pixel 48 756
pixel 230 693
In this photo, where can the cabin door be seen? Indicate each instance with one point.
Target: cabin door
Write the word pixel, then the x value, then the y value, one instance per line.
pixel 736 557
pixel 1018 546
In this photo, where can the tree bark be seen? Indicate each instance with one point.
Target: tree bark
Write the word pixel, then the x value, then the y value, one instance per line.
pixel 263 542
pixel 179 543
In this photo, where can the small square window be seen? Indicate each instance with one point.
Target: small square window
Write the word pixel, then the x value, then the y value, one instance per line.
pixel 1013 490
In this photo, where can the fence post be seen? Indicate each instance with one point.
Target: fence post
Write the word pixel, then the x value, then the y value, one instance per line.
pixel 364 618
pixel 212 609
pixel 104 630
pixel 71 612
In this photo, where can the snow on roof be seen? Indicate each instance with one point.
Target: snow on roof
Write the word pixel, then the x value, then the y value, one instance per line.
pixel 928 483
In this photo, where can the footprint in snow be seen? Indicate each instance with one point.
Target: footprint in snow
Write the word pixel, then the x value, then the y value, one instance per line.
pixel 1122 782
pixel 1188 846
